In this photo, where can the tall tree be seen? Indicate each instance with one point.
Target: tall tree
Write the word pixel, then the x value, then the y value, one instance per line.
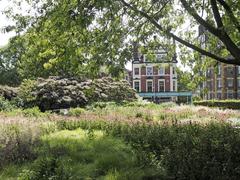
pixel 66 36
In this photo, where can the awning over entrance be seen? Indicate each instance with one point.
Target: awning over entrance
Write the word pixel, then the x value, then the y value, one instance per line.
pixel 167 94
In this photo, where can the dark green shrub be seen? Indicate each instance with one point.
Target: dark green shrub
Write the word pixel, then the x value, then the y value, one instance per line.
pixel 101 105
pixel 225 104
pixel 46 168
pixel 33 112
pixel 76 111
pixel 181 151
pixel 25 93
pixel 188 151
pixel 5 105
pixel 16 144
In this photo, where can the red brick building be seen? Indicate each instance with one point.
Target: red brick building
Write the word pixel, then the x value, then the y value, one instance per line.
pixel 223 83
pixel 154 76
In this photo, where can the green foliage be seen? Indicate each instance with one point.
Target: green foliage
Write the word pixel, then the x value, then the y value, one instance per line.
pixel 188 81
pixel 225 104
pixel 168 105
pixel 73 155
pixel 152 142
pixel 188 151
pixel 101 105
pixel 16 144
pixel 181 151
pixel 5 105
pixel 46 167
pixel 8 63
pixel 76 111
pixel 25 93
pixel 59 39
pixel 33 112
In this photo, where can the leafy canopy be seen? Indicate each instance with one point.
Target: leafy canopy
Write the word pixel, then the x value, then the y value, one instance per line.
pixel 77 37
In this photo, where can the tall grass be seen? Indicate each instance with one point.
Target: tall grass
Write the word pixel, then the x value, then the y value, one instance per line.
pixel 121 142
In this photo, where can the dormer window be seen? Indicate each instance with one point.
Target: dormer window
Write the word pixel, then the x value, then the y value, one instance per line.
pixel 160 56
pixel 149 71
pixel 136 72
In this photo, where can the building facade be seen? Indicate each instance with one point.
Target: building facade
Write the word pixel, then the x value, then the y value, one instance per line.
pixel 158 76
pixel 223 81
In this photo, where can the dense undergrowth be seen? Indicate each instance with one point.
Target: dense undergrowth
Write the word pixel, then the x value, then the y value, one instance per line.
pixel 125 141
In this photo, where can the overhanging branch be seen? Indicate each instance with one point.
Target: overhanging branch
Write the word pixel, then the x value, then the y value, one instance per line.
pixel 230 14
pixel 216 14
pixel 180 40
pixel 219 33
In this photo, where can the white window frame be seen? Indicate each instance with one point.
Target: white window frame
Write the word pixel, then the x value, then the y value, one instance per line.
pixel 230 92
pixel 162 80
pixel 219 80
pixel 174 70
pixel 139 84
pixel 232 82
pixel 147 69
pixel 144 58
pixel 238 83
pixel 174 80
pixel 138 71
pixel 163 71
pixel 147 85
pixel 219 69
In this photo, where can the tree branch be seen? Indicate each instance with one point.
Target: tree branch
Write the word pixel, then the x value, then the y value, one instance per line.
pixel 219 33
pixel 230 14
pixel 216 14
pixel 196 48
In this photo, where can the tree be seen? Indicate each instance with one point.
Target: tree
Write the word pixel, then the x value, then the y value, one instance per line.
pixel 8 61
pixel 64 42
pixel 71 37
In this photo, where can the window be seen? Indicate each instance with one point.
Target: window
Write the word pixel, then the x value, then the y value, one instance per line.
pixel 209 85
pixel 136 71
pixel 137 86
pixel 161 86
pixel 149 71
pixel 161 71
pixel 173 70
pixel 238 82
pixel 174 85
pixel 219 83
pixel 209 72
pixel 229 71
pixel 161 57
pixel 149 86
pixel 238 70
pixel 230 83
pixel 230 95
pixel 219 69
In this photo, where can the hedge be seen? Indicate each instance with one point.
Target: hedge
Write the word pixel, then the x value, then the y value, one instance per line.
pixel 225 104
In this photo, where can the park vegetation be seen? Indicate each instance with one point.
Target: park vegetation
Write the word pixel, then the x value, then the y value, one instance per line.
pixel 120 141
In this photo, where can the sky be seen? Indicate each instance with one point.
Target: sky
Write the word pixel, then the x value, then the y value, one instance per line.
pixel 4 37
